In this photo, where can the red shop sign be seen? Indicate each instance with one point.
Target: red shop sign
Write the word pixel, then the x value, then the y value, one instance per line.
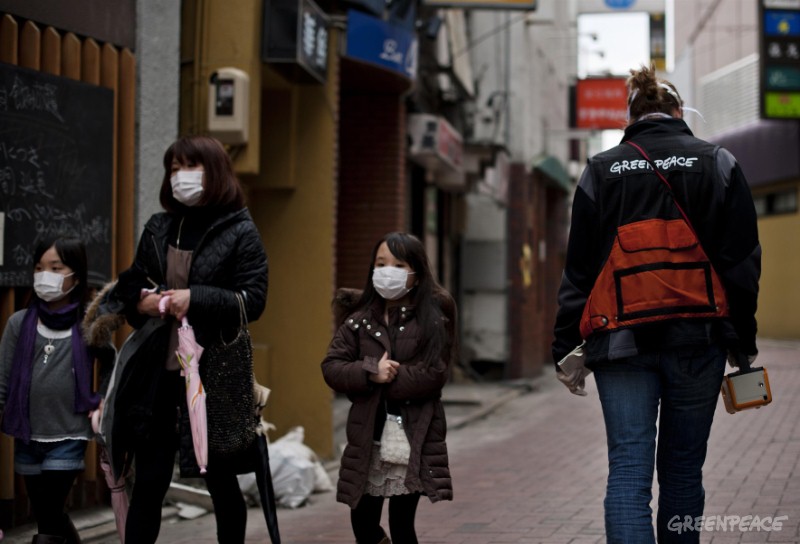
pixel 601 103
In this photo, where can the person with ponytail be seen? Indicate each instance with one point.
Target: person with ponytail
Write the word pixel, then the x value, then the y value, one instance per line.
pixel 660 287
pixel 46 376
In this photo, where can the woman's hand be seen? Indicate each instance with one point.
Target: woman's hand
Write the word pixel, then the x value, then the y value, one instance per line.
pixel 179 302
pixel 148 305
pixel 387 370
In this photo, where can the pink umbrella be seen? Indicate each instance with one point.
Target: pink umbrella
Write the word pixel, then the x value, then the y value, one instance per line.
pixel 119 495
pixel 189 353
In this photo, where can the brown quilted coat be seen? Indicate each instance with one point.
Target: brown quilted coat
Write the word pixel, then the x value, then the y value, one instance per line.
pixel 353 354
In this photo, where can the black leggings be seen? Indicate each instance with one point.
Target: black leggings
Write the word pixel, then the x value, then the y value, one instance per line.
pixel 154 461
pixel 48 492
pixel 366 519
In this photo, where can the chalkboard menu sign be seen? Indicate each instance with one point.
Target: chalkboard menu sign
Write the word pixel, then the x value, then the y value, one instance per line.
pixel 56 161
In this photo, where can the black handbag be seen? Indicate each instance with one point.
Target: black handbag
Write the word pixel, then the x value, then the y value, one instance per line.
pixel 226 369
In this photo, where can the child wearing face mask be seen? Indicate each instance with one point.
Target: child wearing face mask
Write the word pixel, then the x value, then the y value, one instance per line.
pixel 391 356
pixel 46 376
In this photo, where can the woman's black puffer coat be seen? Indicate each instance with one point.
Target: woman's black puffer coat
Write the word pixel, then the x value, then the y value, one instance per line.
pixel 228 259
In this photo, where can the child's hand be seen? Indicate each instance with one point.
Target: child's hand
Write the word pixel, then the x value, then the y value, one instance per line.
pixel 95 416
pixel 148 305
pixel 387 370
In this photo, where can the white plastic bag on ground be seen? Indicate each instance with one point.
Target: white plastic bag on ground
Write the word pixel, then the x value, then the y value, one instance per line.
pixel 296 471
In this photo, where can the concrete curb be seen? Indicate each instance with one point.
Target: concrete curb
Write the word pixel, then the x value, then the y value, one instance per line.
pixel 484 409
pixel 93 524
pixel 516 389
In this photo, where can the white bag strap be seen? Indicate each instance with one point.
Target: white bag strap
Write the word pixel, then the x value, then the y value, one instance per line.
pixel 242 310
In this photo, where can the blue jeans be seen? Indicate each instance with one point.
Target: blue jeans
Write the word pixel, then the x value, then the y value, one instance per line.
pixel 34 457
pixel 686 382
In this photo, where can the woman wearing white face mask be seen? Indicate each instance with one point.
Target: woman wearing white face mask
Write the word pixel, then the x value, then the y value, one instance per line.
pixel 391 356
pixel 46 374
pixel 202 252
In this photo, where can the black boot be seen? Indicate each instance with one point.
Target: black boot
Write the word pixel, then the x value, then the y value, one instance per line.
pixel 71 535
pixel 47 539
pixel 384 540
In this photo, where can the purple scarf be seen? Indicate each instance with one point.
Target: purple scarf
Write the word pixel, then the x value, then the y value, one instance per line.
pixel 16 420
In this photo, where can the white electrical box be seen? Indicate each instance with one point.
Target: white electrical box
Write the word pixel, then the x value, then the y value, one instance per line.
pixel 229 106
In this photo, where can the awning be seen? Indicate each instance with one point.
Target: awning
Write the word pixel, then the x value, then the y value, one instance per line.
pixel 767 151
pixel 554 172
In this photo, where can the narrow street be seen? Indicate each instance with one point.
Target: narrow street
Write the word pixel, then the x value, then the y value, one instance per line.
pixel 534 471
pixel 250 164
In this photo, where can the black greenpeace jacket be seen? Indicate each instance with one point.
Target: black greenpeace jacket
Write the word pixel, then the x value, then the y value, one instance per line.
pixel 619 187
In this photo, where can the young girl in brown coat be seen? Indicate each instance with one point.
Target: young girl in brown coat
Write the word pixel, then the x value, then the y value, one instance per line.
pixel 392 356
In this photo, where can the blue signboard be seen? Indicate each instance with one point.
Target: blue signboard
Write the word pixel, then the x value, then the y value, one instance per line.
pixel 382 43
pixel 619 4
pixel 781 23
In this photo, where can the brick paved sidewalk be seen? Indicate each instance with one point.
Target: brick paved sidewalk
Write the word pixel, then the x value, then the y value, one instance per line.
pixel 534 471
pixel 512 479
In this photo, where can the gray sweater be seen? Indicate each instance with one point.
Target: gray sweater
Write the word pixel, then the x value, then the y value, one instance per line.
pixel 52 398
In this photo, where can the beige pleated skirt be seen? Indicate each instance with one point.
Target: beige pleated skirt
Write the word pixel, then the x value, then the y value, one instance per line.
pixel 385 479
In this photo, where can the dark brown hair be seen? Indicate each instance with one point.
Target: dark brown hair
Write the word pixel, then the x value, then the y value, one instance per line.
pixel 425 295
pixel 221 188
pixel 649 94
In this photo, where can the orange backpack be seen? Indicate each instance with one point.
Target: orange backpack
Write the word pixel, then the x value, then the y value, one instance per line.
pixel 656 271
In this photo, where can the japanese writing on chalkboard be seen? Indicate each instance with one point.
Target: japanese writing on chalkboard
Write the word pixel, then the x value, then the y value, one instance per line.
pixel 56 160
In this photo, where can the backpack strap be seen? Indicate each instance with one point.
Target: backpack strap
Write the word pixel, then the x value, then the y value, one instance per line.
pixel 642 152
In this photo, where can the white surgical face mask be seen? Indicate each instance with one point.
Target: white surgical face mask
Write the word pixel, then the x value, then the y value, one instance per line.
pixel 187 186
pixel 390 282
pixel 49 285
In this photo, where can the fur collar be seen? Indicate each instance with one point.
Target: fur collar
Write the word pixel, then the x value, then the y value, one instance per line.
pixel 102 318
pixel 344 302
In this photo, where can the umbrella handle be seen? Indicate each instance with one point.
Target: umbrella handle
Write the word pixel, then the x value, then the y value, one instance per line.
pixel 162 305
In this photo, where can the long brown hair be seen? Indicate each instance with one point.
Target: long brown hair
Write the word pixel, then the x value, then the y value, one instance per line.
pixel 426 294
pixel 221 188
pixel 649 94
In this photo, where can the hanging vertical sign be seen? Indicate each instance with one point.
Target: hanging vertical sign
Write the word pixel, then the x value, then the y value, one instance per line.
pixel 295 40
pixel 658 41
pixel 313 54
pixel 779 26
